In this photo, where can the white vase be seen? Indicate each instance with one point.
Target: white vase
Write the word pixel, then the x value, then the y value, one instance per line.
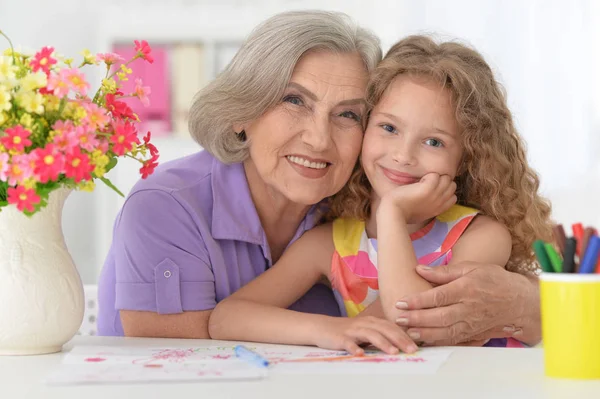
pixel 41 294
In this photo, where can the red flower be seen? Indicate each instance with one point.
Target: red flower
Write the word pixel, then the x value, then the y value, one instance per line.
pixel 16 139
pixel 43 60
pixel 123 137
pixel 149 145
pixel 77 166
pixel 143 49
pixel 118 108
pixel 148 168
pixel 49 163
pixel 23 198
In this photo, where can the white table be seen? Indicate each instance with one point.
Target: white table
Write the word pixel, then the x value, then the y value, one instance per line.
pixel 468 373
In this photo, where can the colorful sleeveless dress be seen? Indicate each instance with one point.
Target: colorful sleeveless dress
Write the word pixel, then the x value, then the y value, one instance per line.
pixel 354 262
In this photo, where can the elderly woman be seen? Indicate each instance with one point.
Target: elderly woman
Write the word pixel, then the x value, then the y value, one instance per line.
pixel 282 129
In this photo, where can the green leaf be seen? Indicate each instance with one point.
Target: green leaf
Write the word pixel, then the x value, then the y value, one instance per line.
pixel 111 164
pixel 109 184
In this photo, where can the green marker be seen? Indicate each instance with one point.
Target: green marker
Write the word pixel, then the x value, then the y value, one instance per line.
pixel 540 252
pixel 554 258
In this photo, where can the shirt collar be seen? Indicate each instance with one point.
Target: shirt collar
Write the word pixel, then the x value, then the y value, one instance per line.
pixel 234 216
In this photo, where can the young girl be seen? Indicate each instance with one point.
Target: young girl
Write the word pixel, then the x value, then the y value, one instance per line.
pixel 442 178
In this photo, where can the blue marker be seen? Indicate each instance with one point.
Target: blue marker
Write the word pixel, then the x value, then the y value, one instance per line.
pixel 588 264
pixel 243 353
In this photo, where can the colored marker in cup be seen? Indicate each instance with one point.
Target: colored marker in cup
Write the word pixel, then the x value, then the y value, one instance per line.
pixel 590 258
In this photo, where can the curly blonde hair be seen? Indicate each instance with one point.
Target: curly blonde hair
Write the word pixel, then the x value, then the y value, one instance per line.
pixel 494 176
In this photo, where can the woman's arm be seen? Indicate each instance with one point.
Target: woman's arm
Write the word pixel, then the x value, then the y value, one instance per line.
pixel 477 300
pixel 474 301
pixel 164 281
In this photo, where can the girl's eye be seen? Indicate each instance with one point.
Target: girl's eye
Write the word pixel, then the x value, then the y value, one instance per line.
pixel 388 128
pixel 293 100
pixel 351 115
pixel 434 142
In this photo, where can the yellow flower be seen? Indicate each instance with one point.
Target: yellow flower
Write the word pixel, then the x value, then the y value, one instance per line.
pixel 5 104
pixel 109 85
pixel 3 118
pixel 31 101
pixel 88 57
pixel 125 69
pixel 26 120
pixel 7 69
pixel 33 81
pixel 122 76
pixel 29 183
pixel 68 61
pixel 52 103
pixel 87 186
pixel 79 113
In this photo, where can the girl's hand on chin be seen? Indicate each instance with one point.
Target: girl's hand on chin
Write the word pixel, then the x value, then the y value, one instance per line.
pixel 417 202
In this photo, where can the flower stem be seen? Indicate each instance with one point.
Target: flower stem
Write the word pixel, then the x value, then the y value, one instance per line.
pixel 12 50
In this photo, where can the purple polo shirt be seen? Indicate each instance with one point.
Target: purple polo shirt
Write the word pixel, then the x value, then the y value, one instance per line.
pixel 186 238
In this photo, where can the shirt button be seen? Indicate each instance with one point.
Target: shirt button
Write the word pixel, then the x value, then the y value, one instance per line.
pixel 167 273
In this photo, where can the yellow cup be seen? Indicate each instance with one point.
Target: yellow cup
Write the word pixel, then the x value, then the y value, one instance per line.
pixel 570 310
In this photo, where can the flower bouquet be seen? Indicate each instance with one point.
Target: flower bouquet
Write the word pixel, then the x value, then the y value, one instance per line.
pixel 52 134
pixel 55 138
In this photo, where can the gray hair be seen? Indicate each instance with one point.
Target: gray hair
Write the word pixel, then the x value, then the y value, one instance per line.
pixel 258 74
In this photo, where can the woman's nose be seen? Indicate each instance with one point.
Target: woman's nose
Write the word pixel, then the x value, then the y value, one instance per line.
pixel 317 135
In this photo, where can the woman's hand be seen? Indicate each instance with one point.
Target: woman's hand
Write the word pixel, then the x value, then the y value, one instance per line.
pixel 475 302
pixel 347 333
pixel 420 201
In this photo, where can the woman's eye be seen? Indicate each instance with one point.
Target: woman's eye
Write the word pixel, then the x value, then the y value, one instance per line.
pixel 351 115
pixel 388 128
pixel 293 100
pixel 434 142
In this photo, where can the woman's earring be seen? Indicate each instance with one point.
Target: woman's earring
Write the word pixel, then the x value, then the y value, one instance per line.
pixel 241 135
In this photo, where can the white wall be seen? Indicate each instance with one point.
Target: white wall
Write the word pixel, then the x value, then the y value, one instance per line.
pixel 545 53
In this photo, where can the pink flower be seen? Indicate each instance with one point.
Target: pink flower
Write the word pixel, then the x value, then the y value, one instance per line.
pixel 103 145
pixel 65 138
pixel 78 166
pixel 118 109
pixel 16 139
pixel 43 60
pixel 23 198
pixel 143 50
pixel 76 80
pixel 123 137
pixel 142 92
pixel 4 166
pixel 49 163
pixel 20 168
pixel 149 145
pixel 61 126
pixel 109 58
pixel 148 168
pixel 96 116
pixel 57 84
pixel 86 138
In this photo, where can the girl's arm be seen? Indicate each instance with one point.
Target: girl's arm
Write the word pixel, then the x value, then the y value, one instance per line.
pixel 257 312
pixel 485 240
pixel 396 260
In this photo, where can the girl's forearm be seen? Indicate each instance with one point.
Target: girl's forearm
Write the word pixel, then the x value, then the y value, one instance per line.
pixel 396 261
pixel 241 320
